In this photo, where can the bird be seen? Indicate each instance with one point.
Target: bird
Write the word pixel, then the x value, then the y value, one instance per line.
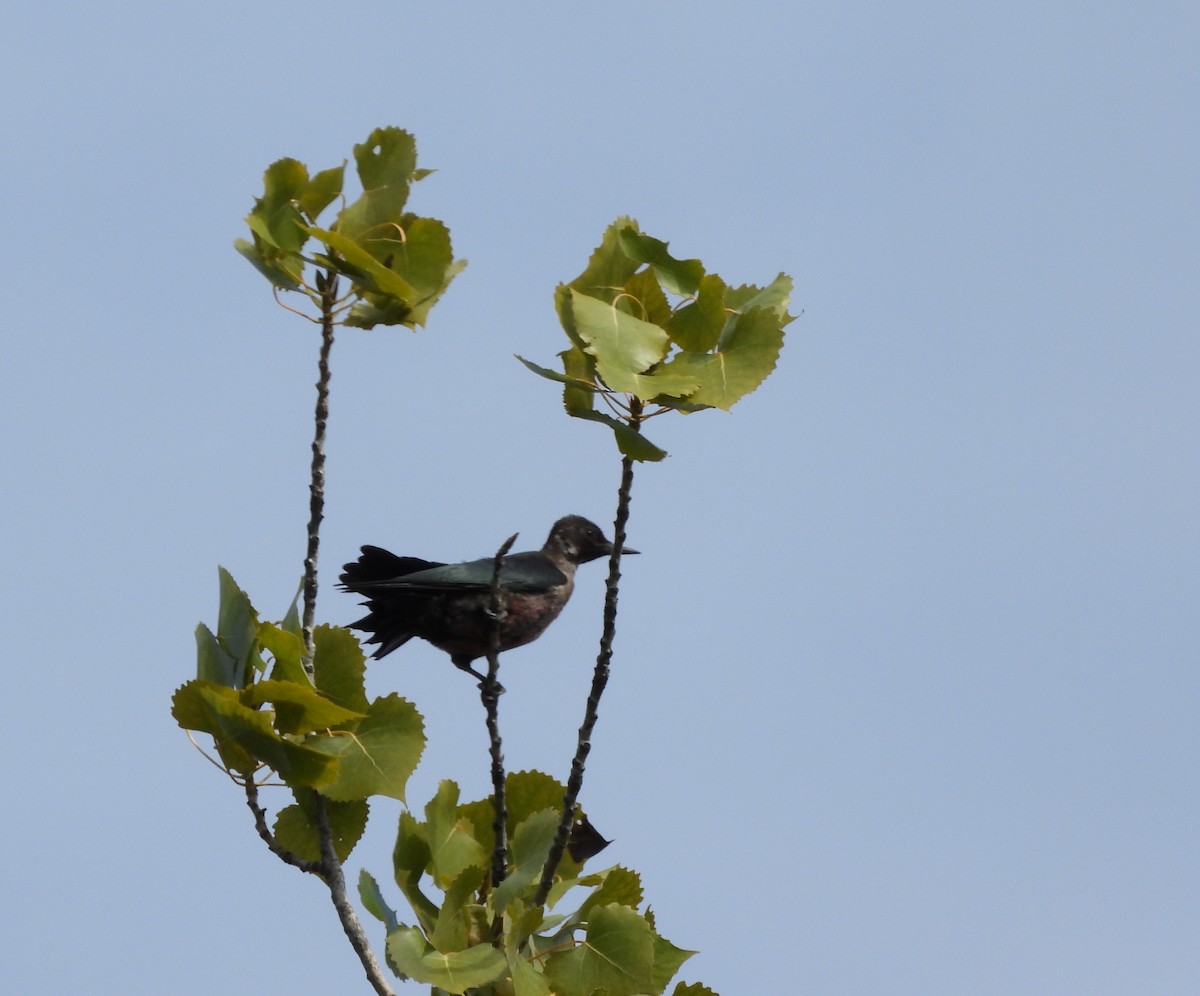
pixel 448 605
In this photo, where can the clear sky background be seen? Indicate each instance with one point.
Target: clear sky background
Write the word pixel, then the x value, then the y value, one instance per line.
pixel 906 690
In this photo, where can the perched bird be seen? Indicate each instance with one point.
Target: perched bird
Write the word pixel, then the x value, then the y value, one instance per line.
pixel 447 604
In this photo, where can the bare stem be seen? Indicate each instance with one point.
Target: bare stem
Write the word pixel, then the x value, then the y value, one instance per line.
pixel 331 871
pixel 260 824
pixel 490 690
pixel 599 675
pixel 327 284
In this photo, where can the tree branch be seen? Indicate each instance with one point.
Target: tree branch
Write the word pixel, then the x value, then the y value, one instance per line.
pixel 260 824
pixel 327 284
pixel 331 871
pixel 599 675
pixel 490 690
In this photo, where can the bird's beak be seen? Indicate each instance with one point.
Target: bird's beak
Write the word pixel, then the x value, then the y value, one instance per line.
pixel 625 550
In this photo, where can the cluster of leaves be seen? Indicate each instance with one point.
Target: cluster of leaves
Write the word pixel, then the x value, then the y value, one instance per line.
pixel 650 333
pixel 604 945
pixel 269 721
pixel 398 264
pixel 252 695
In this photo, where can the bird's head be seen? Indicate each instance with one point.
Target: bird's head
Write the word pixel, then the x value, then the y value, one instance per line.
pixel 579 540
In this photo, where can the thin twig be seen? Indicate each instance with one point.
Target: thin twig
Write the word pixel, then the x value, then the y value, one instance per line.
pixel 331 870
pixel 327 284
pixel 489 691
pixel 260 824
pixel 599 675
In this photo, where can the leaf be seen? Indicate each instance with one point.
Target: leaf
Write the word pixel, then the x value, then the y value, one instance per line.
pixel 386 164
pixel 286 648
pixel 530 847
pixel 617 954
pixel 453 845
pixel 747 356
pixel 322 190
pixel 609 266
pixel 245 736
pixel 554 375
pixel 667 959
pixel 644 298
pixel 296 828
pixel 230 657
pixel 276 219
pixel 697 325
pixel 695 989
pixel 527 980
pixel 679 276
pixel 283 270
pixel 460 921
pixel 339 667
pixel 774 296
pixel 632 444
pixel 299 708
pixel 615 885
pixel 410 859
pixel 622 344
pixel 356 262
pixel 377 757
pixel 373 902
pixel 455 972
pixel 581 367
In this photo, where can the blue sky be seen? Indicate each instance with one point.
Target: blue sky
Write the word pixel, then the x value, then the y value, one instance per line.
pixel 906 683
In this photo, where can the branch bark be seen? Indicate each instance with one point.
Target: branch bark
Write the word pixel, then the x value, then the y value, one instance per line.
pixel 599 675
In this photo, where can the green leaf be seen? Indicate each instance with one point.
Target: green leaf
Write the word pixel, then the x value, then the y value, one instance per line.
pixel 644 298
pixel 231 656
pixel 617 954
pixel 373 902
pixel 695 989
pixel 286 647
pixel 678 276
pixel 455 972
pixel 774 296
pixel 460 921
pixel 283 270
pixel 377 757
pixel 296 828
pixel 526 979
pixel 422 254
pixel 609 266
pixel 580 396
pixel 386 164
pixel 529 792
pixel 322 190
pixel 554 375
pixel 339 667
pixel 697 326
pixel 453 845
pixel 299 708
pixel 276 218
pixel 667 959
pixel 354 261
pixel 632 444
pixel 622 344
pixel 747 356
pixel 410 859
pixel 615 885
pixel 244 736
pixel 530 848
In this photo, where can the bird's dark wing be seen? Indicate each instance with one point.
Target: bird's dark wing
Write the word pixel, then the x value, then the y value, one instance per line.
pixel 522 572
